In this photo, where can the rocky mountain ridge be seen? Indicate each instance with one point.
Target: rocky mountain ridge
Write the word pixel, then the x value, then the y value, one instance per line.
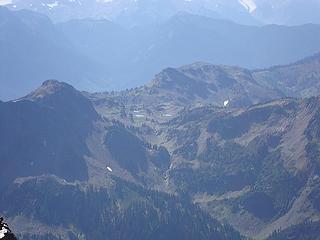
pixel 61 172
pixel 254 166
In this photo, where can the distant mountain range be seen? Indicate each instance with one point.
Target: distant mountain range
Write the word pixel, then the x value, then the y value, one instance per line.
pixel 128 12
pixel 224 140
pixel 97 55
pixel 142 52
pixel 131 13
pixel 33 49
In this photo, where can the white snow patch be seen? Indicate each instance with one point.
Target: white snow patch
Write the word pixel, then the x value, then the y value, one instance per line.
pixel 139 116
pixel 226 103
pixel 2 232
pixel 250 5
pixel 5 2
pixel 54 4
pixel 18 100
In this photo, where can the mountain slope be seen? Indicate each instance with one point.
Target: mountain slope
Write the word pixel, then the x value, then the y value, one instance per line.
pixel 306 230
pixel 44 133
pixel 200 84
pixel 121 211
pixel 68 165
pixel 55 128
pixel 255 167
pixel 300 79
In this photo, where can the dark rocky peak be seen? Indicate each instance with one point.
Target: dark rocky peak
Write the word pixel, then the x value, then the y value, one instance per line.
pixel 53 123
pixel 65 99
pixel 49 88
pixel 170 77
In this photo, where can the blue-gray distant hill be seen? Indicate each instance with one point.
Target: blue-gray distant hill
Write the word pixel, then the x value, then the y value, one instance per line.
pixel 136 54
pixel 98 55
pixel 32 49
